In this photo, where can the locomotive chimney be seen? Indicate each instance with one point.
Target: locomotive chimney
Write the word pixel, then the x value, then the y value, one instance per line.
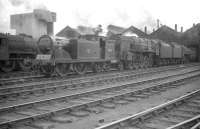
pixel 158 23
pixel 193 24
pixel 153 30
pixel 181 29
pixel 175 27
pixel 145 30
pixel 50 28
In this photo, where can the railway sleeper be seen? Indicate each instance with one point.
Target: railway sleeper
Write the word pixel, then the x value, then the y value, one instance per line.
pixel 64 118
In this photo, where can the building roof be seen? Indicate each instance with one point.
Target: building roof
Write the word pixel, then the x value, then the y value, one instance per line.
pixel 112 29
pixel 192 35
pixel 136 31
pixel 166 33
pixel 68 32
pixel 115 29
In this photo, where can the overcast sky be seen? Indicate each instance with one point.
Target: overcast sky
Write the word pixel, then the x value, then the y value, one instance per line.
pixel 124 13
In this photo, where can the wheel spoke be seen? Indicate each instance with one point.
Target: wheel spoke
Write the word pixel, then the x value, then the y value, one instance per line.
pixel 26 64
pixel 80 68
pixel 8 66
pixel 62 69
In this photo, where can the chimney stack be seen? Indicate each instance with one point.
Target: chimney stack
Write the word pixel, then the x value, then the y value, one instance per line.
pixel 175 27
pixel 193 24
pixel 145 30
pixel 50 30
pixel 153 30
pixel 158 23
pixel 181 29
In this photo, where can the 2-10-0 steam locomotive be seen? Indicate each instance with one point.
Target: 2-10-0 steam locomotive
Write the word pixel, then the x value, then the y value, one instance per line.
pixel 16 52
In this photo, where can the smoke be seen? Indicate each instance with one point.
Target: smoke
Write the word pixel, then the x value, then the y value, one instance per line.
pixel 3 16
pixel 140 18
pixel 78 14
pixel 8 7
pixel 28 4
pixel 119 17
pixel 123 16
pixel 148 20
pixel 83 19
pixel 18 2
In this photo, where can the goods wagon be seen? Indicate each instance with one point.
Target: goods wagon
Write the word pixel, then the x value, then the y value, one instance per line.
pixel 177 50
pixel 166 50
pixel 188 54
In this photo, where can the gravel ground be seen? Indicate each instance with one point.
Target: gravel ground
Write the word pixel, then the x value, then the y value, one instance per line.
pixel 109 115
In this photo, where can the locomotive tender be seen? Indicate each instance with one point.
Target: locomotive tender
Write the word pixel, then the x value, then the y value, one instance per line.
pixel 16 51
pixel 95 53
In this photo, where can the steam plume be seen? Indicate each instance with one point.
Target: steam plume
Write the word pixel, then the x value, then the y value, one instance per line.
pixel 8 7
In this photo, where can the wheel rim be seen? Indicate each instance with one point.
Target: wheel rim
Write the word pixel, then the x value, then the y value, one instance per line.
pixel 80 68
pixel 8 66
pixel 96 68
pixel 121 67
pixel 26 64
pixel 62 69
pixel 106 67
pixel 130 66
pixel 136 66
pixel 47 69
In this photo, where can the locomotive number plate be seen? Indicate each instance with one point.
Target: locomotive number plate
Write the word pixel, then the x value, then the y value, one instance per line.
pixel 43 57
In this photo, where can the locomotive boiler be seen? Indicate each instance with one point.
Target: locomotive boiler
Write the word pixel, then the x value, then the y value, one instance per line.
pixel 16 51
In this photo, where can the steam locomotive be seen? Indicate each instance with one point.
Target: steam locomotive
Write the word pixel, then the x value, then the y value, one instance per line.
pixel 53 55
pixel 94 53
pixel 17 52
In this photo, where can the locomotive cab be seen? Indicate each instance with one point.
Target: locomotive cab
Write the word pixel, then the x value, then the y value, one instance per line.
pixel 5 64
pixel 3 49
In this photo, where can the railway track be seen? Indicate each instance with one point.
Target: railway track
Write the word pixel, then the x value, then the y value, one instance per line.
pixel 46 112
pixel 18 77
pixel 193 123
pixel 24 77
pixel 181 113
pixel 9 94
pixel 13 74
